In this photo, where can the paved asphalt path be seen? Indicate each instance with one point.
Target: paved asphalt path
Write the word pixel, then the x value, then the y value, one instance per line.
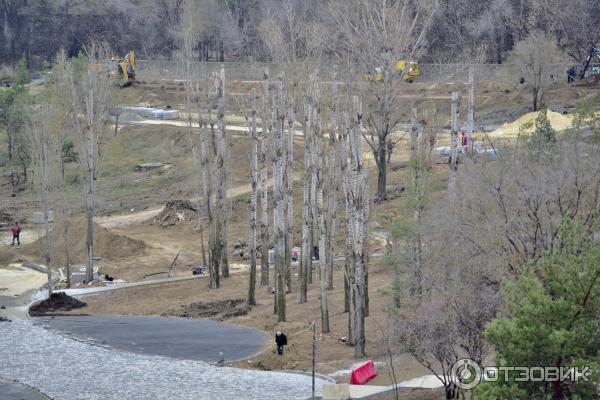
pixel 14 391
pixel 178 338
pixel 66 369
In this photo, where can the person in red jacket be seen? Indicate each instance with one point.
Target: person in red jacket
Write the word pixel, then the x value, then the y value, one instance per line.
pixel 16 230
pixel 464 140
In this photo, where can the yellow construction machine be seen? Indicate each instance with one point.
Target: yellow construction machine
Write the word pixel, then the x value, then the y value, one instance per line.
pixel 123 70
pixel 408 75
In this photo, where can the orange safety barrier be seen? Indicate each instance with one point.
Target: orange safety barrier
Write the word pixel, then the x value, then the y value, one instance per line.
pixel 363 374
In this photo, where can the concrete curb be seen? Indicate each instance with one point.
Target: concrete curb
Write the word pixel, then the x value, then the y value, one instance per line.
pixel 306 373
pixel 390 390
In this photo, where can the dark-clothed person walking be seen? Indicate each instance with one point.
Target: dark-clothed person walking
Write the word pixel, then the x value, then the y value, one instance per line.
pixel 280 340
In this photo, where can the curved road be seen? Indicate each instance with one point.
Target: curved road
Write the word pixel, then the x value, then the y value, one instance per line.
pixel 66 369
pixel 181 338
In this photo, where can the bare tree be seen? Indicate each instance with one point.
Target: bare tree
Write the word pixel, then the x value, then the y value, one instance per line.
pixel 453 160
pixel 86 99
pixel 419 170
pixel 307 210
pixel 322 219
pixel 63 205
pixel 221 172
pixel 535 57
pixel 212 212
pixel 514 206
pixel 359 198
pixel 471 109
pixel 253 158
pixel 65 153
pixel 192 91
pixel 333 174
pixel 264 191
pixel 289 206
pixel 428 334
pixel 279 198
pixel 345 183
pixel 40 126
pixel 379 33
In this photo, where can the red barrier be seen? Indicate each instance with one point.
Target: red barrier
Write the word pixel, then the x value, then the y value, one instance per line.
pixel 363 374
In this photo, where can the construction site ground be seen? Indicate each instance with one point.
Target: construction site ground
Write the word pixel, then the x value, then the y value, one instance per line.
pixel 132 246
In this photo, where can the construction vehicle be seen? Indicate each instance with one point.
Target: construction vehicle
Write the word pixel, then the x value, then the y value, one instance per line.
pixel 409 75
pixel 586 65
pixel 123 70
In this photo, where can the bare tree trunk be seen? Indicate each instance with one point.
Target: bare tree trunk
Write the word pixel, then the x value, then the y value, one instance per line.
pixel 214 250
pixel 332 181
pixel 253 156
pixel 348 262
pixel 10 145
pixel 359 196
pixel 381 161
pixel 87 105
pixel 349 179
pixel 416 286
pixel 65 217
pixel 453 162
pixel 313 179
pixel 264 195
pixel 322 218
pixel 471 110
pixel 329 193
pixel 89 207
pixel 189 89
pixel 45 189
pixel 278 189
pixel 117 115
pixel 221 172
pixel 290 193
pixel 307 217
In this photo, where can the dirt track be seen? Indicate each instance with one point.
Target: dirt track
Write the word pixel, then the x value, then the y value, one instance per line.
pixel 16 280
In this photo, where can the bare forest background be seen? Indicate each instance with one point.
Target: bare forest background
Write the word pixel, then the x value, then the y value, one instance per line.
pixel 281 30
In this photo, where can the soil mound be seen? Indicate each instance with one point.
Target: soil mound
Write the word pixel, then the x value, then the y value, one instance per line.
pixel 107 244
pixel 174 212
pixel 57 302
pixel 217 310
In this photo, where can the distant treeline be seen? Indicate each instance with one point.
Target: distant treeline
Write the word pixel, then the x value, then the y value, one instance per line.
pixel 280 30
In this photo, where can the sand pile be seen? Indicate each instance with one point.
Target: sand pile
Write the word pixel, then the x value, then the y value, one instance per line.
pixel 107 244
pixel 558 121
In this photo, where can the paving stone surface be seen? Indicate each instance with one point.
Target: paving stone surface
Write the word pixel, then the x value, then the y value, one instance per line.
pixel 65 369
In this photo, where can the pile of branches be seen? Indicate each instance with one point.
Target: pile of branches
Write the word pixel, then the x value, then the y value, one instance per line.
pixel 174 212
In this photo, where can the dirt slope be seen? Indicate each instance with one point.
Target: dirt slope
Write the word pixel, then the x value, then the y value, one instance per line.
pixel 106 244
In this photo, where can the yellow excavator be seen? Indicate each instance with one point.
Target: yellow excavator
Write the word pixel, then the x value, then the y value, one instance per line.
pixel 408 75
pixel 123 70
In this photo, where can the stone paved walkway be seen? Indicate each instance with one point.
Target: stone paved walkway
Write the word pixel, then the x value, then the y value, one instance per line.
pixel 65 369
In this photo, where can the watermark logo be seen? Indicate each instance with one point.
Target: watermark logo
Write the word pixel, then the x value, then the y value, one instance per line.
pixel 467 374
